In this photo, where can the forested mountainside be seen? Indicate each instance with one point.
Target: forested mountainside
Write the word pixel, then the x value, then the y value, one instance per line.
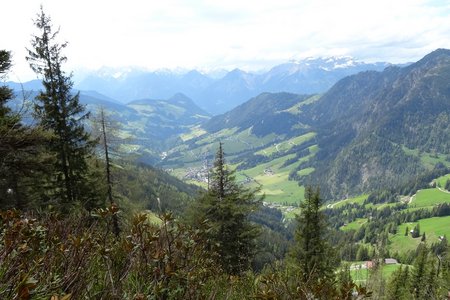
pixel 370 130
pixel 267 113
pixel 375 129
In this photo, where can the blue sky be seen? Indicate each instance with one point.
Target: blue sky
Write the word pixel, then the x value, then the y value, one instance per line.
pixel 250 35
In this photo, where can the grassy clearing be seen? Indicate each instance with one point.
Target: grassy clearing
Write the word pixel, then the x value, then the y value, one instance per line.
pixel 305 172
pixel 441 181
pixel 128 148
pixel 400 242
pixel 358 199
pixel 285 146
pixel 220 134
pixel 274 181
pixel 433 228
pixel 296 109
pixel 428 159
pixel 361 275
pixel 291 213
pixel 355 225
pixel 429 198
pixel 194 133
pixel 233 142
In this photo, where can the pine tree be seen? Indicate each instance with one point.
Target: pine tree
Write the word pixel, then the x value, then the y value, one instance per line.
pixel 398 288
pixel 226 206
pixel 362 254
pixel 23 165
pixel 416 231
pixel 311 253
pixel 432 281
pixel 59 111
pixel 419 273
pixel 423 237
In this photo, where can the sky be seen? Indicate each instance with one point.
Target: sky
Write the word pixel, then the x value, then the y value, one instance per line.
pixel 207 35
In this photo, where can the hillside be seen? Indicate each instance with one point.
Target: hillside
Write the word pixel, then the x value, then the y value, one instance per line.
pixel 148 126
pixel 145 128
pixel 382 129
pixel 263 138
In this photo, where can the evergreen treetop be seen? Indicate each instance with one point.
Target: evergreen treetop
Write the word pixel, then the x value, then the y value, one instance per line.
pixel 226 206
pixel 311 254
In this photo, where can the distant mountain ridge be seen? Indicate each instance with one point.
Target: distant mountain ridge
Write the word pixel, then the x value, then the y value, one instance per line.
pixel 218 95
pixel 144 127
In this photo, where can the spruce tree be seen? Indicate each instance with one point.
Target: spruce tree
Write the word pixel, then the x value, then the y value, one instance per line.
pixel 398 288
pixel 226 206
pixel 420 272
pixel 311 254
pixel 60 111
pixel 23 165
pixel 362 254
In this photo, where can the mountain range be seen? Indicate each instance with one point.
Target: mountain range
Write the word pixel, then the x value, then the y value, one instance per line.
pixel 218 95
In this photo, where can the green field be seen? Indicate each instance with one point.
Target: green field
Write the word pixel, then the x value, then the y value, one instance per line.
pixel 296 109
pixel 428 159
pixel 441 181
pixel 290 213
pixel 194 132
pixel 358 199
pixel 429 198
pixel 304 172
pixel 286 145
pixel 272 178
pixel 401 243
pixel 433 228
pixel 361 275
pixel 234 141
pixel 355 225
pixel 274 182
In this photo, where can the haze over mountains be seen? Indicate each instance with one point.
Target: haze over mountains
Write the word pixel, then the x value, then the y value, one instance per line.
pixel 219 94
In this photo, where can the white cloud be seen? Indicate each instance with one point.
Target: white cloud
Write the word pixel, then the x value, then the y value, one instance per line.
pixel 232 33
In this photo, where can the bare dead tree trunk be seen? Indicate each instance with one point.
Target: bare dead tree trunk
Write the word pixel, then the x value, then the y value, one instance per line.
pixel 116 228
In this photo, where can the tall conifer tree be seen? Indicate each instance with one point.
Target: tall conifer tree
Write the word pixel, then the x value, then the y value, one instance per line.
pixel 311 254
pixel 227 206
pixel 60 111
pixel 23 164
